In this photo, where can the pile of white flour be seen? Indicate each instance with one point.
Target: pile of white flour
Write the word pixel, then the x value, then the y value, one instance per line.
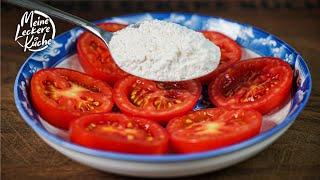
pixel 163 51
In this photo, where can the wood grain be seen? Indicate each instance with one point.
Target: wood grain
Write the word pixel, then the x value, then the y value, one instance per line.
pixel 296 155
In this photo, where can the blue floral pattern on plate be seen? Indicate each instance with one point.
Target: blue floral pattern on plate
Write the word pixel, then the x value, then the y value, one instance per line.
pixel 247 36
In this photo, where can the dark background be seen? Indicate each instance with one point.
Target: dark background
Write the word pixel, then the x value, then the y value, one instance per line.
pixel 296 155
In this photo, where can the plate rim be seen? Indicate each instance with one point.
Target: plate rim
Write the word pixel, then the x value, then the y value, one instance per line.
pixel 41 131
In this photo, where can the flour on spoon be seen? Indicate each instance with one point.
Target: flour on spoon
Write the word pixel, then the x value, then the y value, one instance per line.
pixel 163 51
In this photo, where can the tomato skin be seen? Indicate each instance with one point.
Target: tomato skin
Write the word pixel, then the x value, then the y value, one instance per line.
pixel 248 94
pixel 191 133
pixel 230 54
pixel 124 88
pixel 112 141
pixel 60 111
pixel 99 64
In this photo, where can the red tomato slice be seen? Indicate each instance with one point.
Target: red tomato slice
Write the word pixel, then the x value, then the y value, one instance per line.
pixel 213 128
pixel 155 100
pixel 259 83
pixel 95 57
pixel 230 53
pixel 61 95
pixel 117 132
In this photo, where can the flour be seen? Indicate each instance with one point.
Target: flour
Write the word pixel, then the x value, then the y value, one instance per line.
pixel 163 51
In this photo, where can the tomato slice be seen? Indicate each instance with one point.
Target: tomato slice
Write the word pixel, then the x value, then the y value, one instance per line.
pixel 230 53
pixel 212 128
pixel 121 133
pixel 95 57
pixel 61 95
pixel 259 83
pixel 155 100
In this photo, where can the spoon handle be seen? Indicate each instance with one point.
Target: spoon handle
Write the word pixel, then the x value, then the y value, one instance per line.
pixel 34 4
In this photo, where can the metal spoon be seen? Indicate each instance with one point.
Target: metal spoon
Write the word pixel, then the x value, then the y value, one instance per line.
pixel 101 33
pixel 34 4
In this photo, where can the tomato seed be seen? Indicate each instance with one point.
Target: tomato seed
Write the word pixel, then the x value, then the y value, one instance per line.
pixel 177 101
pixel 149 138
pixel 91 126
pixel 96 103
pixel 130 137
pixel 129 125
pixel 188 121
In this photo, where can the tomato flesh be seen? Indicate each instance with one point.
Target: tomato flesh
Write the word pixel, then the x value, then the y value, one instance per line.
pixel 120 133
pixel 262 84
pixel 95 57
pixel 212 128
pixel 61 95
pixel 155 100
pixel 230 53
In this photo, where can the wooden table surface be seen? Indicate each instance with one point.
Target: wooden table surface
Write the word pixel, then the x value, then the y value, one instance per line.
pixel 295 155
